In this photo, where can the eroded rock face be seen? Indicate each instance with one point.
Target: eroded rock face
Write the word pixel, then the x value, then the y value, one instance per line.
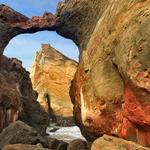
pixel 17 98
pixel 51 74
pixel 110 91
pixel 76 19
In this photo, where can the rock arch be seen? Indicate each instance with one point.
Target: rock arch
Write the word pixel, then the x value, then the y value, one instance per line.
pixel 116 42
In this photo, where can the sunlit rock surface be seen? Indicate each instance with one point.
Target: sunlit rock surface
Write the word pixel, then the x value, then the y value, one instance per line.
pixel 113 143
pixel 51 74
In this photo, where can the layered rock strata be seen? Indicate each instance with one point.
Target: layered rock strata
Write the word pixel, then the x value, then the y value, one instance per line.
pixel 51 74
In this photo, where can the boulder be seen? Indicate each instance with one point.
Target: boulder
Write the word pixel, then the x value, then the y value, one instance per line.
pixel 55 144
pixel 23 147
pixel 77 144
pixel 13 23
pixel 21 133
pixel 17 98
pixel 113 143
pixel 51 75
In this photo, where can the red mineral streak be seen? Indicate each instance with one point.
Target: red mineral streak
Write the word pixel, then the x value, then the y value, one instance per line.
pixel 138 114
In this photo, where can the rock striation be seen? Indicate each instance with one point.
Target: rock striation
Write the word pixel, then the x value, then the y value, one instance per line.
pixel 17 98
pixel 51 74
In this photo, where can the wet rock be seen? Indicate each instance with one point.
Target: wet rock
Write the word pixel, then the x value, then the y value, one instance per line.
pixel 112 143
pixel 64 121
pixel 53 129
pixel 55 144
pixel 21 133
pixel 23 147
pixel 62 146
pixel 77 144
pixel 51 76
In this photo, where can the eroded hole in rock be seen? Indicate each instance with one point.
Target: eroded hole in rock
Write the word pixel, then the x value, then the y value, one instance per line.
pixel 25 46
pixel 52 62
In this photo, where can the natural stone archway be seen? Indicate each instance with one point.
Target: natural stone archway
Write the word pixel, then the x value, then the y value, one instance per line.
pixel 13 23
pixel 110 91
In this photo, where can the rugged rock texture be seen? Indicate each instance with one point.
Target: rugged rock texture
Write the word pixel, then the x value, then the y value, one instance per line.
pixel 111 89
pixel 13 23
pixel 23 147
pixel 20 132
pixel 76 19
pixel 51 74
pixel 112 143
pixel 17 98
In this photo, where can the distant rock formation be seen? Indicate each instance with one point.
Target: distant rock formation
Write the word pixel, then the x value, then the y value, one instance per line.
pixel 51 74
pixel 17 98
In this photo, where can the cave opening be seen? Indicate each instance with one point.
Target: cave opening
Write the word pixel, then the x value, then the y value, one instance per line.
pixel 25 46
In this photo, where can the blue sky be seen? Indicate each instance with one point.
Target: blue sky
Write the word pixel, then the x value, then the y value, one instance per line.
pixel 24 46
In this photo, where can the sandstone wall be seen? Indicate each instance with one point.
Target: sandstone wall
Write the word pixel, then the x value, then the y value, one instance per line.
pixel 51 74
pixel 110 91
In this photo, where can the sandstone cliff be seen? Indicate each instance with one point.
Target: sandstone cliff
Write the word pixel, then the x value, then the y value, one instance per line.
pixel 51 74
pixel 111 90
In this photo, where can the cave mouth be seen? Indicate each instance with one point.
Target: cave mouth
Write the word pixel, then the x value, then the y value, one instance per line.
pixel 25 46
